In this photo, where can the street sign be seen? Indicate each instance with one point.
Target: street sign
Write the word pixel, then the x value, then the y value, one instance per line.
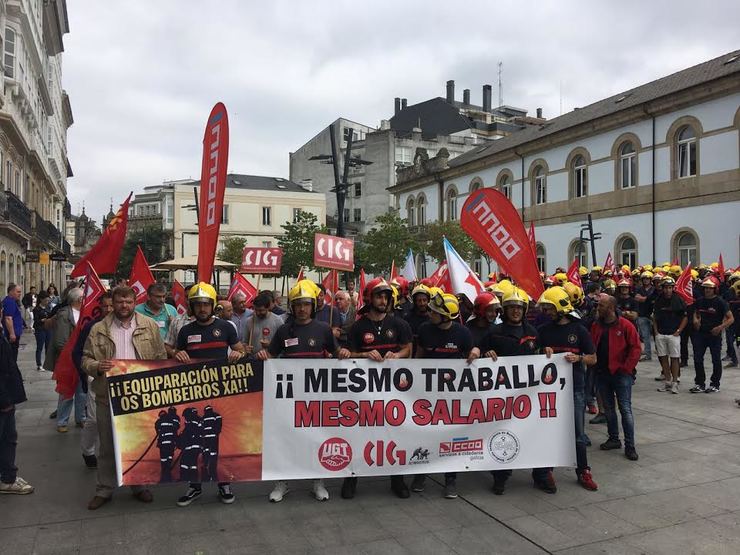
pixel 58 257
pixel 44 258
pixel 333 252
pixel 261 260
pixel 32 256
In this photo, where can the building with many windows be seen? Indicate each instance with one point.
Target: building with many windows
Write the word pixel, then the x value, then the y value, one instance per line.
pixel 657 167
pixel 35 114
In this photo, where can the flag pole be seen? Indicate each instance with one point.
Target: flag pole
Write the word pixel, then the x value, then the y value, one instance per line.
pixel 251 328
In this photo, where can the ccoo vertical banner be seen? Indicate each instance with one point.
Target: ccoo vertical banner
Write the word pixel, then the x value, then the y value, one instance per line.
pixel 212 188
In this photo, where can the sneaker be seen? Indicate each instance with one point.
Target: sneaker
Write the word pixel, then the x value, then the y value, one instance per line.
pixel 660 378
pixel 548 484
pixel 598 419
pixel 450 488
pixel 697 389
pixel 417 485
pixel 19 487
pixel 674 388
pixel 62 429
pixel 349 486
pixel 610 444
pixel 592 409
pixel 665 387
pixel 319 490
pixel 279 491
pixel 738 402
pixel 398 486
pixel 40 368
pixel 645 358
pixel 683 364
pixel 630 453
pixel 53 415
pixel 91 461
pixel 725 358
pixel 190 495
pixel 731 365
pixel 711 389
pixel 587 481
pixel 225 495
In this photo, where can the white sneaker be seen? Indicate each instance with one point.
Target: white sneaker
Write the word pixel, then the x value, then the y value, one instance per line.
pixel 674 387
pixel 19 487
pixel 279 491
pixel 665 387
pixel 319 491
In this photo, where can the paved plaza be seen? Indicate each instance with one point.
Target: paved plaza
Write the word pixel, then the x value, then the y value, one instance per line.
pixel 682 496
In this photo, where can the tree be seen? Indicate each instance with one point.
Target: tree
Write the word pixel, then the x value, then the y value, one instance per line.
pixel 152 242
pixel 297 242
pixel 432 245
pixel 390 241
pixel 232 250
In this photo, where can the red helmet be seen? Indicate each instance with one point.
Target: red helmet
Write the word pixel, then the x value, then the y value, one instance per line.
pixel 429 282
pixel 377 285
pixel 483 301
pixel 710 281
pixel 402 284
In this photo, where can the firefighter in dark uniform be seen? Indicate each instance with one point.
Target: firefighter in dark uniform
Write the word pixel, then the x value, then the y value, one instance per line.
pixel 379 335
pixel 189 443
pixel 166 441
pixel 486 309
pixel 211 431
pixel 419 313
pixel 515 337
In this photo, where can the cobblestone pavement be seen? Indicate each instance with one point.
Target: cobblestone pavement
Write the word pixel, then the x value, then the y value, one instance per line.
pixel 682 496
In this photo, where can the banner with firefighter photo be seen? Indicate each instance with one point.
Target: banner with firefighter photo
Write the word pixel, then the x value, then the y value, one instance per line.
pixel 186 422
pixel 330 418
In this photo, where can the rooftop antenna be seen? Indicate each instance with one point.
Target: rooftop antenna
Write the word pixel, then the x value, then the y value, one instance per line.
pixel 500 84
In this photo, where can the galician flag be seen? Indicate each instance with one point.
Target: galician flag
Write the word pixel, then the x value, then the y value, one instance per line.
pixel 409 268
pixel 462 278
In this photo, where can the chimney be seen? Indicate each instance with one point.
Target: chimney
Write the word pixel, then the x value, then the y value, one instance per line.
pixel 539 113
pixel 450 91
pixel 486 98
pixel 403 104
pixel 466 97
pixel 397 106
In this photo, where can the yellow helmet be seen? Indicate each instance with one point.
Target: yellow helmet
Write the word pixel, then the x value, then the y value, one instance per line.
pixel 433 291
pixel 420 289
pixel 583 271
pixel 575 293
pixel 637 273
pixel 676 269
pixel 647 268
pixel 445 304
pixel 714 265
pixel 647 274
pixel 626 268
pixel 516 297
pixel 560 278
pixel 734 276
pixel 505 286
pixel 558 297
pixel 609 284
pixel 668 280
pixel 202 292
pixel 597 269
pixel 736 287
pixel 305 289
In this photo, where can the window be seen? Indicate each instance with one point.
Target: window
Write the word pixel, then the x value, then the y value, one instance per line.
pixel 451 203
pixel 225 214
pixel 346 133
pixel 358 189
pixel 345 217
pixel 580 186
pixel 404 156
pixel 687 248
pixel 267 244
pixel 296 214
pixel 266 215
pixel 169 212
pixel 541 257
pixel 421 210
pixel 627 250
pixel 17 190
pixel 540 186
pixel 686 152
pixel 505 186
pixel 9 60
pixel 476 184
pixel 8 175
pixel 410 212
pixel 577 251
pixel 627 166
pixel 357 216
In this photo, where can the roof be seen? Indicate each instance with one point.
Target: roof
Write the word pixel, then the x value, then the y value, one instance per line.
pixel 261 183
pixel 708 71
pixel 435 117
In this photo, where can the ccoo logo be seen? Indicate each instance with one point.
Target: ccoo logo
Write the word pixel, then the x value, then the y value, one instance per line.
pixel 335 454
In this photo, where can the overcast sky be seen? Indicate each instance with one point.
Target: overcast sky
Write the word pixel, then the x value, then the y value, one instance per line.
pixel 143 75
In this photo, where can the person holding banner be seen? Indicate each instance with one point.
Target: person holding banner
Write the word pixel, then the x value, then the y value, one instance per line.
pixel 303 337
pixel 486 309
pixel 123 335
pixel 157 309
pixel 207 337
pixel 379 335
pixel 443 337
pixel 563 334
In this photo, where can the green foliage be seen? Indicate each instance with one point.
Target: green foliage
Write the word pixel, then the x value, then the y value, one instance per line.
pixel 232 250
pixel 152 242
pixel 431 241
pixel 297 242
pixel 390 241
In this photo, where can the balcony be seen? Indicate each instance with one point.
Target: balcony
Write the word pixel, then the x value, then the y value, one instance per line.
pixel 14 212
pixel 45 231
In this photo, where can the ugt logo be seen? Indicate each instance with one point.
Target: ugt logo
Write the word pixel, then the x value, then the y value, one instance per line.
pixel 384 453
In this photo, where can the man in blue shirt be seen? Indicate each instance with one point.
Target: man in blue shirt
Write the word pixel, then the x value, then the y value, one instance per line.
pixel 157 309
pixel 12 318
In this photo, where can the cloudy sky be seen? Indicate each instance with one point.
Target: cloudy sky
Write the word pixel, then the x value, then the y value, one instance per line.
pixel 143 75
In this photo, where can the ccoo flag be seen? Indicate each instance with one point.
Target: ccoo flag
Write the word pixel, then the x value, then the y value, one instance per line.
pixel 212 188
pixel 462 278
pixel 242 285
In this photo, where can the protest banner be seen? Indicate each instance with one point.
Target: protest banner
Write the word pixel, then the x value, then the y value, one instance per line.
pixel 292 419
pixel 337 253
pixel 261 260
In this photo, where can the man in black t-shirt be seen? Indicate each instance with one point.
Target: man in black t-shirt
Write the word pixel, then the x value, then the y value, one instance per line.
pixel 486 309
pixel 711 316
pixel 645 296
pixel 669 320
pixel 443 337
pixel 625 302
pixel 564 335
pixel 379 335
pixel 207 337
pixel 303 337
pixel 419 313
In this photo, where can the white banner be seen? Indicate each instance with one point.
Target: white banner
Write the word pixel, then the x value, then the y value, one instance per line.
pixel 330 418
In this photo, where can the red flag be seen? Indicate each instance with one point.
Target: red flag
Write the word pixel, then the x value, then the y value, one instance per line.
pixel 609 264
pixel 532 240
pixel 65 372
pixel 300 275
pixel 684 287
pixel 493 223
pixel 721 268
pixel 106 252
pixel 441 277
pixel 331 284
pixel 394 270
pixel 574 276
pixel 242 285
pixel 181 299
pixel 360 298
pixel 141 276
pixel 212 188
